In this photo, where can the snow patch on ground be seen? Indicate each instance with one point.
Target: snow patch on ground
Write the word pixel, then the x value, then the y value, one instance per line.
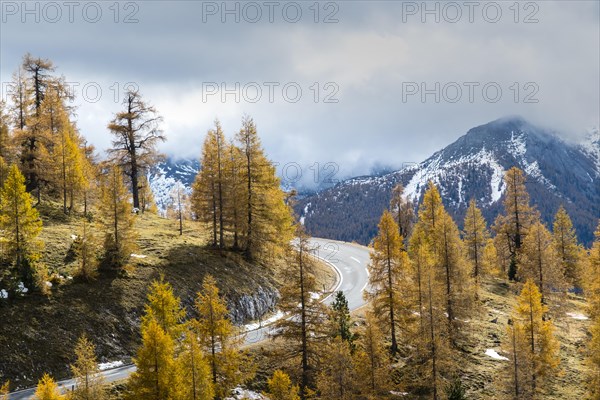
pixel 494 354
pixel 110 365
pixel 270 320
pixel 138 255
pixel 394 393
pixel 239 394
pixel 577 316
pixel 517 144
pixel 3 294
pixel 21 288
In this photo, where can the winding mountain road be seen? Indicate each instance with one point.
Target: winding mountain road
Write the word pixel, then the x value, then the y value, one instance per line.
pixel 347 259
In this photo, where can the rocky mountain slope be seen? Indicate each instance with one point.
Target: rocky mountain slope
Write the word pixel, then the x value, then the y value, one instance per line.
pixel 558 172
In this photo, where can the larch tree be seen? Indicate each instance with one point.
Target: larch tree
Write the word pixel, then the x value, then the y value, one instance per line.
pixel 91 174
pixel 593 360
pixel 541 359
pixel 518 216
pixel 89 383
pixel 253 164
pixel 539 261
pixel 304 328
pixel 592 289
pixel 229 366
pixel 235 194
pixel 38 74
pixel 87 252
pixel 20 225
pixel 4 391
pixel 475 237
pixel 431 361
pixel 593 297
pixel 337 378
pixel 238 194
pixel 20 99
pixel 564 241
pixel 221 157
pixel 47 389
pixel 281 387
pixel 137 133
pixel 208 198
pixel 3 174
pixel 371 360
pixel 164 307
pixel 195 369
pixel 516 370
pixel 66 158
pixel 421 258
pixel 157 376
pixel 268 220
pixel 6 142
pixel 489 258
pixel 34 135
pixel 457 280
pixel 116 217
pixel 388 274
pixel 402 210
pixel 449 263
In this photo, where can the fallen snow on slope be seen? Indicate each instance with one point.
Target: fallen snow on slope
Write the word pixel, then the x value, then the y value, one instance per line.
pixel 240 393
pixel 110 365
pixel 577 316
pixel 494 354
pixel 436 169
pixel 270 320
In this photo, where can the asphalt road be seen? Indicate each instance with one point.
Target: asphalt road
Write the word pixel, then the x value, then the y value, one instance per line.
pixel 349 260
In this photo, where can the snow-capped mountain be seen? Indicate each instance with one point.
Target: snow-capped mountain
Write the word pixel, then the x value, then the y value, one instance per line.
pixel 558 172
pixel 164 177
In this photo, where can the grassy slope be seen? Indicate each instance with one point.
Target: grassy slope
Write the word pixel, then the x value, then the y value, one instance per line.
pixel 37 333
pixel 481 374
pixel 484 375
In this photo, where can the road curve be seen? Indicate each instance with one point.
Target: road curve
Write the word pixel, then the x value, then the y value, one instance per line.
pixel 348 259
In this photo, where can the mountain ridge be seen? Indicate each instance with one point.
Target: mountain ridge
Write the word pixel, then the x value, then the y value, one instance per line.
pixel 558 172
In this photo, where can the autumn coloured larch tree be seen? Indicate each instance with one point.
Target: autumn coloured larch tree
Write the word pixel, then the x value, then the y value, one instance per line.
pixel 538 260
pixel 305 328
pixel 89 383
pixel 533 332
pixel 20 225
pixel 564 241
pixel 475 237
pixel 512 226
pixel 229 366
pixel 387 279
pixel 281 387
pixel 47 389
pixel 116 217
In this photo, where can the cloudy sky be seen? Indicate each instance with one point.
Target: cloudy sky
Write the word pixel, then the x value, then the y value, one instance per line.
pixel 355 83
